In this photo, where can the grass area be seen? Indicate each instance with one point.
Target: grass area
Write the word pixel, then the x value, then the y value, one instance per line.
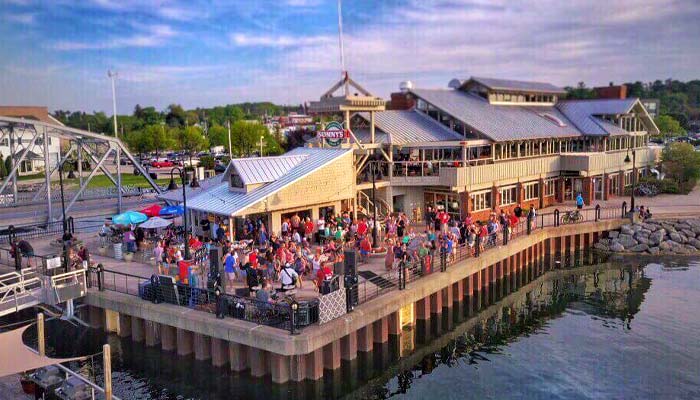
pixel 102 181
pixel 31 176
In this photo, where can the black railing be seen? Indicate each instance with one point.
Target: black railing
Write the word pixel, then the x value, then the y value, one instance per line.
pixel 33 231
pixel 277 314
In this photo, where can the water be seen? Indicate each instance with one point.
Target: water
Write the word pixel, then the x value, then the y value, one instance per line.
pixel 621 330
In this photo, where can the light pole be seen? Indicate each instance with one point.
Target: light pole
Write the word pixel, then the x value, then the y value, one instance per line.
pixel 173 186
pixel 230 151
pixel 373 169
pixel 634 177
pixel 261 145
pixel 113 76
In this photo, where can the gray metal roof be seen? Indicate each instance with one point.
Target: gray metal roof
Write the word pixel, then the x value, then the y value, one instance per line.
pixel 582 113
pixel 204 184
pixel 518 86
pixel 500 123
pixel 265 169
pixel 410 126
pixel 220 200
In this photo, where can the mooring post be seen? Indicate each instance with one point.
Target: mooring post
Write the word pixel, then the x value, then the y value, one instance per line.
pixel 107 369
pixel 41 345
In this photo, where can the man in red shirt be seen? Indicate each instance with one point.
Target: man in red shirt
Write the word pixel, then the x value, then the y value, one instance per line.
pixel 308 229
pixel 444 218
pixel 325 272
pixel 365 249
pixel 362 227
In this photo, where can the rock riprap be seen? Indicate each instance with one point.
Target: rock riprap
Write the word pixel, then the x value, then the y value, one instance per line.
pixel 654 237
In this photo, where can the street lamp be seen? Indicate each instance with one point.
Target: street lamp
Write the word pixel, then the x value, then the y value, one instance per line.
pixel 113 76
pixel 373 169
pixel 634 178
pixel 261 145
pixel 173 186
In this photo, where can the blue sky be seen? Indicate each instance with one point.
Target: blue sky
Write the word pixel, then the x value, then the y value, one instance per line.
pixel 211 52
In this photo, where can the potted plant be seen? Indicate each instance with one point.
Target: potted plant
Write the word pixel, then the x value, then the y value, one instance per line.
pixel 117 245
pixel 102 250
pixel 128 256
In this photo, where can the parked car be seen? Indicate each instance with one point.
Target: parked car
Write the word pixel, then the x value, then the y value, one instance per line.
pixel 124 161
pixel 162 164
pixel 219 168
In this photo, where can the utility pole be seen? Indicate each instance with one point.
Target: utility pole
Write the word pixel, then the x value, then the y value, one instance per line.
pixel 230 151
pixel 113 76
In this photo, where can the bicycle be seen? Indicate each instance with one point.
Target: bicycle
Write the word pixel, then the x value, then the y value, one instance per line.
pixel 571 217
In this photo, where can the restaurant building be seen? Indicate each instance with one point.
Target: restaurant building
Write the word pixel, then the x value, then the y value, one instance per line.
pixel 479 145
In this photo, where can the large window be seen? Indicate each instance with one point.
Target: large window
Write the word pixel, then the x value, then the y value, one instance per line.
pixel 481 200
pixel 532 191
pixel 628 178
pixel 550 186
pixel 509 195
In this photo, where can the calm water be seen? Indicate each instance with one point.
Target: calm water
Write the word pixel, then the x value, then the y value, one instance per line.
pixel 622 330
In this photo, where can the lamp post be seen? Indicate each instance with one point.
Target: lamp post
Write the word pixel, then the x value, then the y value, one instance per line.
pixel 173 186
pixel 230 149
pixel 261 145
pixel 373 169
pixel 634 177
pixel 63 213
pixel 113 75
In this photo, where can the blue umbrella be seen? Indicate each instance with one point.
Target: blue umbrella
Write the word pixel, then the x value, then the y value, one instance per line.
pixel 171 211
pixel 129 217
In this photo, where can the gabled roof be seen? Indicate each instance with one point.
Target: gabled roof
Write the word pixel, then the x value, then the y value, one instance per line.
pixel 410 126
pixel 30 156
pixel 516 86
pixel 583 114
pixel 38 113
pixel 220 200
pixel 265 169
pixel 500 123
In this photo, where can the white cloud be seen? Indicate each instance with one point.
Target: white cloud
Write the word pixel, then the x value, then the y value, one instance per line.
pixel 149 36
pixel 21 18
pixel 252 40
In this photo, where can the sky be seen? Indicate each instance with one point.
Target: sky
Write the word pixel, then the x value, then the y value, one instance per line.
pixel 201 53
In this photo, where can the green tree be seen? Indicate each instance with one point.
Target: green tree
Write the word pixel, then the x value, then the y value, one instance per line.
pixel 175 116
pixel 668 126
pixel 191 140
pixel 681 163
pixel 245 137
pixel 139 142
pixel 218 136
pixel 580 92
pixel 207 162
pixel 162 137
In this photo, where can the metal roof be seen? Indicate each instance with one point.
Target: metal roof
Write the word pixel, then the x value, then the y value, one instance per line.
pixel 265 169
pixel 517 86
pixel 204 184
pixel 220 200
pixel 410 126
pixel 499 122
pixel 582 113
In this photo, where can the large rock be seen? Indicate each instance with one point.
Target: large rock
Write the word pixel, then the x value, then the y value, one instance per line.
pixel 657 236
pixel 642 239
pixel 675 236
pixel 665 246
pixel 688 233
pixel 613 234
pixel 639 248
pixel 626 240
pixel 650 227
pixel 694 242
pixel 601 246
pixel 636 227
pixel 626 230
pixel 643 232
pixel 653 250
pixel 617 247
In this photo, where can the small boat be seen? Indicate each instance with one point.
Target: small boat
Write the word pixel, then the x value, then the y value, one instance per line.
pixel 75 388
pixel 46 379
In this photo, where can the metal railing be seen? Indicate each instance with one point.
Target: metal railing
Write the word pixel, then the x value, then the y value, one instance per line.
pixel 438 260
pixel 279 314
pixel 17 290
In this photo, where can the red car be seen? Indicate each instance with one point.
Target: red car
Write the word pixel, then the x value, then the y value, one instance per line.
pixel 162 164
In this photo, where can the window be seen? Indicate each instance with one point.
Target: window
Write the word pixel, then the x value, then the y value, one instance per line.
pixel 481 200
pixel 532 191
pixel 508 195
pixel 628 178
pixel 550 186
pixel 5 142
pixel 236 181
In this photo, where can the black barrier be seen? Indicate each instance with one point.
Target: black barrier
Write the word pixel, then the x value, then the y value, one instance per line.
pixel 597 212
pixel 529 223
pixel 624 209
pixel 443 261
pixel 477 245
pixel 556 217
pixel 100 277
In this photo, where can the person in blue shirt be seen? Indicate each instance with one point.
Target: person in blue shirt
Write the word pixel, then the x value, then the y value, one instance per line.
pixel 229 269
pixel 579 201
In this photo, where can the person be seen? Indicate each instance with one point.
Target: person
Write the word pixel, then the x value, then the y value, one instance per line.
pixel 362 227
pixel 365 249
pixel 288 278
pixel 389 258
pixel 263 295
pixel 308 229
pixel 158 256
pixel 129 240
pixel 220 233
pixel 84 255
pixel 324 273
pixel 429 218
pixel 104 232
pixel 22 249
pixel 518 211
pixel 67 238
pixel 229 270
pixel 251 278
pixel 579 201
pixel 444 218
pixel 321 226
pixel 296 237
pixel 531 215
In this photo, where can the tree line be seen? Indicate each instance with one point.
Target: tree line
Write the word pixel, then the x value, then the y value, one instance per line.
pixel 149 130
pixel 680 101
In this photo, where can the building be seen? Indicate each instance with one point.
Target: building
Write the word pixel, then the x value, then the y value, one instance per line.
pixel 653 106
pixel 480 145
pixel 18 140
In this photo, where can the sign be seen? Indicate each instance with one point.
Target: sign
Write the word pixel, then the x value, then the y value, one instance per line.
pixel 334 133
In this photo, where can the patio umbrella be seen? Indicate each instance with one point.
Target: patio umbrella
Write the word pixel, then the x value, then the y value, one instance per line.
pixel 152 210
pixel 171 211
pixel 155 222
pixel 129 217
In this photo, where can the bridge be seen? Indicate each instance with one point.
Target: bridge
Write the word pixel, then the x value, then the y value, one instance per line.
pixel 90 153
pixel 28 288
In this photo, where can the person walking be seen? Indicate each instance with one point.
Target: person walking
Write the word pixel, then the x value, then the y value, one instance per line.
pixel 579 201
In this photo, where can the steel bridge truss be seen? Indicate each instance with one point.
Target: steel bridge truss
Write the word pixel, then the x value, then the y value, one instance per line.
pixel 95 148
